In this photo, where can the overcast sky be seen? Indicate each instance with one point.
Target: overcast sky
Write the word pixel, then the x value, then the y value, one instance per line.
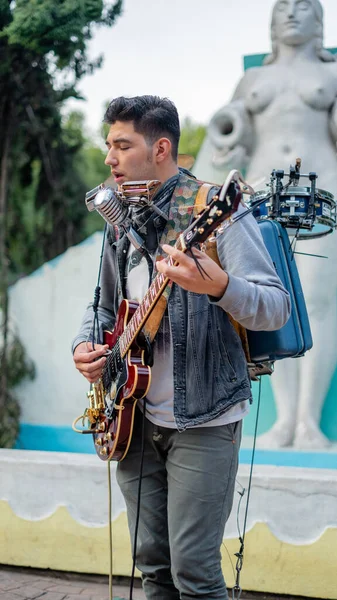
pixel 188 50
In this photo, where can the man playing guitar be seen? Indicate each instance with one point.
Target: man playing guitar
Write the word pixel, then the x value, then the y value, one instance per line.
pixel 199 389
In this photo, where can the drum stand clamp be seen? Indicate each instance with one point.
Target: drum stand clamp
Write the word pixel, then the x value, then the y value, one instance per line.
pixel 260 368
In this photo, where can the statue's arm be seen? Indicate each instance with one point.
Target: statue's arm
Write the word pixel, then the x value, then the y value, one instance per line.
pixel 333 108
pixel 333 121
pixel 231 129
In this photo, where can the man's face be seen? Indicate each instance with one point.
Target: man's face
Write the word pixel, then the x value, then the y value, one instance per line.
pixel 295 21
pixel 129 156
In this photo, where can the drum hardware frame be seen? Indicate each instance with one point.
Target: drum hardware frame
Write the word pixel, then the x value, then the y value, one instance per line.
pixel 284 204
pixel 311 207
pixel 275 207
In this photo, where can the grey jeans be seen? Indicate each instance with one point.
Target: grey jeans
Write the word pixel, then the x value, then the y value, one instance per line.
pixel 186 498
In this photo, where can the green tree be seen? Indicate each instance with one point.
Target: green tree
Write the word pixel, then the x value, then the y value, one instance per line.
pixel 40 215
pixel 192 136
pixel 94 172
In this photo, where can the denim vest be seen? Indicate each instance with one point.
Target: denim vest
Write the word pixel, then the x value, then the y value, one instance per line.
pixel 209 366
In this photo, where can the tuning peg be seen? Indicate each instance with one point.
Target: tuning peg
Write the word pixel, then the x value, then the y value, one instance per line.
pixel 210 221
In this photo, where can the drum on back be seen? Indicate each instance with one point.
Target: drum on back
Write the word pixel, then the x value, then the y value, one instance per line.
pixel 306 212
pixel 287 212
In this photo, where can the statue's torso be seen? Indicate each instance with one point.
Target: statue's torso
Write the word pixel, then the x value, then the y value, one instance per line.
pixel 314 85
pixel 290 108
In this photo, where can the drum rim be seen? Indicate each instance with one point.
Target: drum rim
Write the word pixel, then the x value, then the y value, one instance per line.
pixel 296 191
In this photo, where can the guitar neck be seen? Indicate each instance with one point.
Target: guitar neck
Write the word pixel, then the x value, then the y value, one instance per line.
pixel 146 306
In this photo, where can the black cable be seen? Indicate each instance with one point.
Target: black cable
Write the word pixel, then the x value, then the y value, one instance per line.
pixel 256 204
pixel 97 294
pixel 138 501
pixel 239 563
pixel 253 456
pixel 201 270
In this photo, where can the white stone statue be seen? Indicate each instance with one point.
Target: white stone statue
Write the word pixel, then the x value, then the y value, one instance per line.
pixel 283 110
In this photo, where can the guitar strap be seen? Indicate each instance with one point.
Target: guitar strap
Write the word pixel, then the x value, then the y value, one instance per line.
pixel 170 235
pixel 180 213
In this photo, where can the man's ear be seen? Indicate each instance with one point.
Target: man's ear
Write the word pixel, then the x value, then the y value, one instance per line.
pixel 163 149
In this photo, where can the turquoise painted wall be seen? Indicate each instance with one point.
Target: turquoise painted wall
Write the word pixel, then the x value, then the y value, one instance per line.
pixel 63 439
pixel 267 415
pixel 256 60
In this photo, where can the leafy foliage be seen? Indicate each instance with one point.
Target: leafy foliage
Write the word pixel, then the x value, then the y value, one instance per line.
pixel 192 136
pixel 45 211
pixel 42 186
pixel 59 26
pixel 94 172
pixel 19 367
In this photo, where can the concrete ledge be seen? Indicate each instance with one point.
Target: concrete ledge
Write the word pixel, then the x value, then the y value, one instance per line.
pixel 54 514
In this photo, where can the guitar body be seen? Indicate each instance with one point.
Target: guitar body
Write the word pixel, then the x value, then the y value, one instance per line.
pixel 131 383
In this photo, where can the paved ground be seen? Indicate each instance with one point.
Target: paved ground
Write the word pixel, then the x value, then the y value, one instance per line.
pixel 18 583
pixel 29 584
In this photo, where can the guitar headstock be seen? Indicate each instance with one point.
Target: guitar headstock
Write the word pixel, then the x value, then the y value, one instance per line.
pixel 221 207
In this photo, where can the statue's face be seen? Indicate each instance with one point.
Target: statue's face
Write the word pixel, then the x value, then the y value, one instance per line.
pixel 294 21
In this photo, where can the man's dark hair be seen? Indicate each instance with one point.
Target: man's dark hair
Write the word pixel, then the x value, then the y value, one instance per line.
pixel 152 116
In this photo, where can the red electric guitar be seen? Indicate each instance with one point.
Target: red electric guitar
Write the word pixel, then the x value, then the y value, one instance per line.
pixel 125 377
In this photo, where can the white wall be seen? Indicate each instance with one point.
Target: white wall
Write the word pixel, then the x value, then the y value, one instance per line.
pixel 47 307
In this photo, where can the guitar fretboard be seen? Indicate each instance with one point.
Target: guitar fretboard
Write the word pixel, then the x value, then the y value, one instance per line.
pixel 144 309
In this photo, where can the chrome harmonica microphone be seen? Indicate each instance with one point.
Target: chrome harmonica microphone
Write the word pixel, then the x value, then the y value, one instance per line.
pixel 104 199
pixel 114 205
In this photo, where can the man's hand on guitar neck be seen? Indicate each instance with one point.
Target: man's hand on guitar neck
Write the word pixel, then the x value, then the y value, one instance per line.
pixel 186 273
pixel 88 361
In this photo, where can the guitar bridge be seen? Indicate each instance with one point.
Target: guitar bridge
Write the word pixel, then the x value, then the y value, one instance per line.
pixel 96 408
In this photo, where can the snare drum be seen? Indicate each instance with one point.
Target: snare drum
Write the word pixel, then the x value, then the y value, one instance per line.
pixel 293 211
